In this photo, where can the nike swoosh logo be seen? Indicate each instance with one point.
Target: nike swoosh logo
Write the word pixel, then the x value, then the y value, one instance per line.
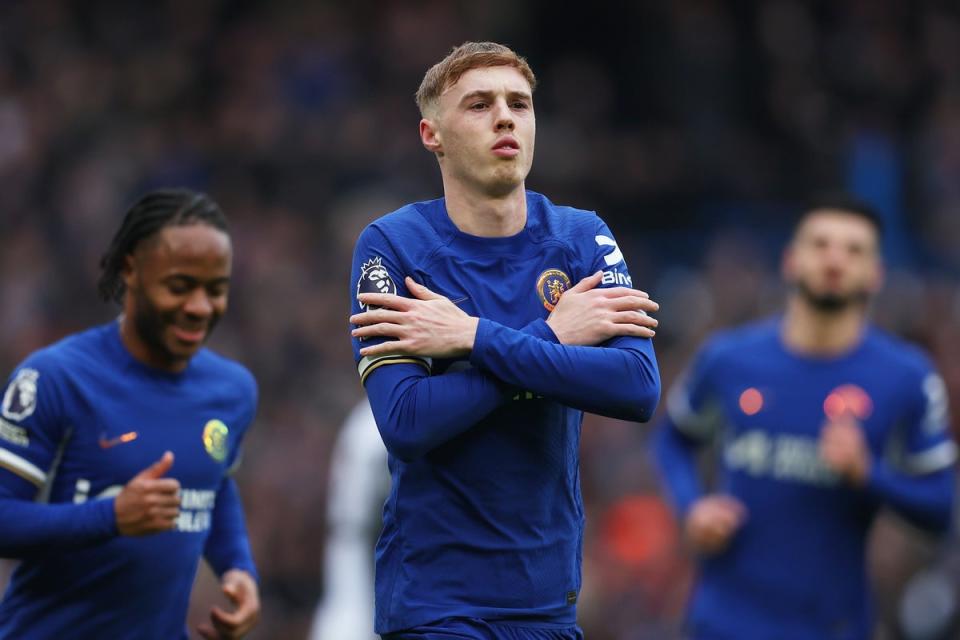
pixel 129 436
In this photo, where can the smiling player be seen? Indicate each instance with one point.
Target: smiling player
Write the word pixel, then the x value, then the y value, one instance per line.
pixel 116 446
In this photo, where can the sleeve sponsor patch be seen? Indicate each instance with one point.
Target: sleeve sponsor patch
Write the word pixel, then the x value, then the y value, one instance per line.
pixel 374 278
pixel 20 399
pixel 13 434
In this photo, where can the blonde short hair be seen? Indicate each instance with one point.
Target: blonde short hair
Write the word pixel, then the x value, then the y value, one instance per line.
pixel 469 55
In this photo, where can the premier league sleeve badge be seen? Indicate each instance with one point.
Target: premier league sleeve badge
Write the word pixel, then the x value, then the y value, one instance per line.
pixel 374 278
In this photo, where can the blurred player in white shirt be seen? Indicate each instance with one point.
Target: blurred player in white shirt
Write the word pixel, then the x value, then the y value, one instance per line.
pixel 359 483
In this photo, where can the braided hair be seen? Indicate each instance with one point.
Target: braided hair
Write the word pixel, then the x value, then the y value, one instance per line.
pixel 151 213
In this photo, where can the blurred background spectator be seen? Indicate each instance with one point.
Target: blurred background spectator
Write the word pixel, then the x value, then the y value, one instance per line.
pixel 696 127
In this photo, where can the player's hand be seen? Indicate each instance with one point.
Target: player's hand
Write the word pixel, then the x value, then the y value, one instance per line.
pixel 712 521
pixel 426 325
pixel 240 587
pixel 586 315
pixel 149 503
pixel 844 448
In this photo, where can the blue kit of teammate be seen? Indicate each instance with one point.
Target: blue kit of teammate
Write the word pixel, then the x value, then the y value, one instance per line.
pixel 80 419
pixel 795 570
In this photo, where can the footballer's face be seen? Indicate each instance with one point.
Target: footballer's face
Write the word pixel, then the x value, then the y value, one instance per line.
pixel 834 260
pixel 483 130
pixel 177 283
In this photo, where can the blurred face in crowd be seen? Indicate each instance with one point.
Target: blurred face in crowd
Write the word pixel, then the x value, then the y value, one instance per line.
pixel 834 260
pixel 176 290
pixel 483 130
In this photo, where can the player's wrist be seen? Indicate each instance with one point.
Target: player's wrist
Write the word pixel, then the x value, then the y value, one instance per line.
pixel 557 330
pixel 241 572
pixel 469 333
pixel 548 331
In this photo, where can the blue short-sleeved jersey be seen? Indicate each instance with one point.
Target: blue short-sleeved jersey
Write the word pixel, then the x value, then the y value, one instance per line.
pixel 488 523
pixel 79 419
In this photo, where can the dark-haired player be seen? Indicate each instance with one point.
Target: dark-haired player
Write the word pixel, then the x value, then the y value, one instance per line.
pixel 479 355
pixel 116 446
pixel 820 420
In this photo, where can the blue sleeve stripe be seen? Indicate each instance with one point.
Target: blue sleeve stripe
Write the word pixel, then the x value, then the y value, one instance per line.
pixel 23 468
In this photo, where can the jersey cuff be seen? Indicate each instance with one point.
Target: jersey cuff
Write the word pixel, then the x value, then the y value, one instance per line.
pixel 106 515
pixel 23 468
pixel 368 364
pixel 540 329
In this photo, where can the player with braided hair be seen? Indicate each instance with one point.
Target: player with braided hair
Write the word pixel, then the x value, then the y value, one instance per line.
pixel 117 444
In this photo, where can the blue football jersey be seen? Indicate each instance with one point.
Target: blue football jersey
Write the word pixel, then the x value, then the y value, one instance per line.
pixel 80 418
pixel 796 568
pixel 488 523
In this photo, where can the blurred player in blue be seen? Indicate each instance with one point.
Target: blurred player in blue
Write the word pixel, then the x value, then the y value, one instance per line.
pixel 486 322
pixel 820 419
pixel 116 445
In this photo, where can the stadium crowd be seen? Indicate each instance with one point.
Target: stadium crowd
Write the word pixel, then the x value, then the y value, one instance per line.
pixel 696 128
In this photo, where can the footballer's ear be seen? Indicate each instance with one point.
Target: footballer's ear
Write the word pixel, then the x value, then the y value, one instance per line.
pixel 430 136
pixel 787 263
pixel 128 273
pixel 877 278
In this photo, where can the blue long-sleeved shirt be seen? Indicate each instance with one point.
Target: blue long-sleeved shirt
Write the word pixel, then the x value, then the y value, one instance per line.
pixel 81 418
pixel 485 517
pixel 805 527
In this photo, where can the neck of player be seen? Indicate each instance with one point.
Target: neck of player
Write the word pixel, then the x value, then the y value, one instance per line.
pixel 485 215
pixel 143 352
pixel 813 331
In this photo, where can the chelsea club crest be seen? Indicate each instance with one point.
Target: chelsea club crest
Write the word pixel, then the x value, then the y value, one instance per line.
pixel 550 286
